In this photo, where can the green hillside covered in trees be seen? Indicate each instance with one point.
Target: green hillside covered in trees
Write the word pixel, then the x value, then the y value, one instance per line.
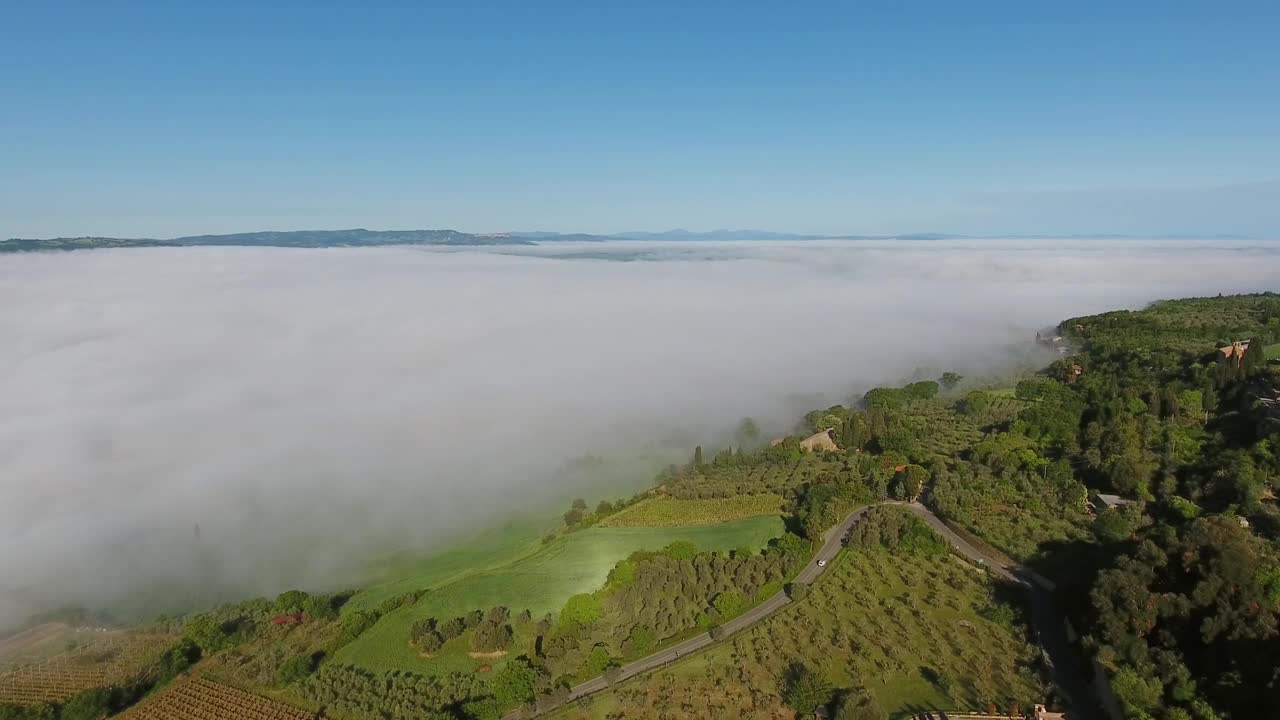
pixel 1135 476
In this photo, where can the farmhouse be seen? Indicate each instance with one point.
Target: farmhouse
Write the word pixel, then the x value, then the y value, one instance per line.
pixel 1103 501
pixel 819 441
pixel 1235 351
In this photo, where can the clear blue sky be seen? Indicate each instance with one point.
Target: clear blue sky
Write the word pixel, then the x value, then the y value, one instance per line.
pixel 160 119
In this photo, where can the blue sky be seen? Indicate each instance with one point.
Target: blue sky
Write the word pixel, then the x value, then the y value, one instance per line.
pixel 161 119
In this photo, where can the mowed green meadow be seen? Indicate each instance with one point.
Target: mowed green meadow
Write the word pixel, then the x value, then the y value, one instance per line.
pixel 534 576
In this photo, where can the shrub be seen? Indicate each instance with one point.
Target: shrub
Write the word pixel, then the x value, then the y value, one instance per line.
pixel 797 591
pixel 355 623
pixel 581 609
pixel 320 607
pixel 291 601
pixel 452 628
pixel 805 690
pixel 681 550
pixel 295 669
pixel 514 684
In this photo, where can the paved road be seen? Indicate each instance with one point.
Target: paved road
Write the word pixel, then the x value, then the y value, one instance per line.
pixel 1067 670
pixel 833 541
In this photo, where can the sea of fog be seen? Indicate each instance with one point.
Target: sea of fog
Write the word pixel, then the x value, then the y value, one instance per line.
pixel 312 410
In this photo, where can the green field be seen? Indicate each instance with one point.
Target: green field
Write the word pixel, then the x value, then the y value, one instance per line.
pixel 494 549
pixel 673 512
pixel 540 580
pixel 907 628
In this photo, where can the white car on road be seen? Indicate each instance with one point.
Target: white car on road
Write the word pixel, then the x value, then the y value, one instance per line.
pixel 822 563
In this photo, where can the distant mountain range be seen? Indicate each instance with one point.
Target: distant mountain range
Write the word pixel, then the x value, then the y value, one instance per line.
pixel 725 234
pixel 371 238
pixel 295 238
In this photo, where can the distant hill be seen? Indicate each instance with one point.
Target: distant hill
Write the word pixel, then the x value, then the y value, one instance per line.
pixel 360 237
pixel 298 238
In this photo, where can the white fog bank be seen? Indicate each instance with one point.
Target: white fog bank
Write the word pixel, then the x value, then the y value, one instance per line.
pixel 312 410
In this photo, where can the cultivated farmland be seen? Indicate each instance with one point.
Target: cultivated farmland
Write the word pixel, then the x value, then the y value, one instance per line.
pixel 915 632
pixel 763 479
pixel 576 563
pixel 200 699
pixel 111 659
pixel 673 512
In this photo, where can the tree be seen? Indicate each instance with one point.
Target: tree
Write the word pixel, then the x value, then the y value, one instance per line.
pixel 748 432
pixel 581 609
pixel 729 604
pixel 640 641
pixel 87 705
pixel 604 508
pixel 853 433
pixel 805 690
pixel 923 390
pixel 950 380
pixel 452 628
pixel 295 669
pixel 424 635
pixel 515 682
pixel 291 601
pixel 320 607
pixel 1136 693
pixel 212 633
pixel 598 661
pixel 573 516
pixel 908 483
pixel 428 642
pixel 681 550
pixel 1114 525
pixel 579 504
pixel 884 398
pixel 859 705
pixel 697 456
pixel 355 623
pixel 482 709
pixel 976 403
pixel 491 637
pixel 797 591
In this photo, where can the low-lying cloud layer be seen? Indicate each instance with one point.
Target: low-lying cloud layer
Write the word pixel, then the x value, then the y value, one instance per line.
pixel 311 410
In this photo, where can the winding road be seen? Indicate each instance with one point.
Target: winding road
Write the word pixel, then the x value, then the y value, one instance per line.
pixel 1063 666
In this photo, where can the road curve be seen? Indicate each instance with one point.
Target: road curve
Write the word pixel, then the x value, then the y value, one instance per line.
pixel 833 541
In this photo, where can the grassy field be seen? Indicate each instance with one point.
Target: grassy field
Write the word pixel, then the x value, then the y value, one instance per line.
pixel 672 512
pixel 540 581
pixel 909 629
pixel 487 551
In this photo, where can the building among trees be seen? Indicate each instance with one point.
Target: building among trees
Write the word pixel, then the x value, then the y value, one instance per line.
pixel 1235 351
pixel 819 441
